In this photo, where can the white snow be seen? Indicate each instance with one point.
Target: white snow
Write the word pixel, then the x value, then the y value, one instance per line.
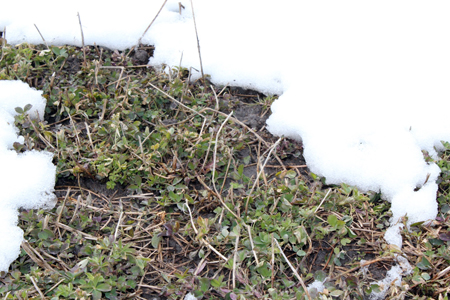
pixel 316 284
pixel 27 179
pixel 393 277
pixel 189 296
pixel 363 84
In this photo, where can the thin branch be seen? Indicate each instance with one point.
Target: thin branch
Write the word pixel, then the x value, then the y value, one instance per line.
pixel 361 266
pixel 260 171
pixel 42 37
pixel 249 229
pixel 202 239
pixel 198 42
pixel 249 129
pixel 321 202
pixel 73 230
pixel 35 256
pixel 82 38
pixel 294 270
pixel 234 261
pixel 175 100
pixel 148 27
pixel 55 286
pixel 37 288
pixel 214 169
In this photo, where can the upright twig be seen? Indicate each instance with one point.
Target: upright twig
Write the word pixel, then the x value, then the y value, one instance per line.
pixel 148 27
pixel 214 169
pixel 234 260
pixel 119 222
pixel 89 136
pixel 321 202
pixel 82 39
pixel 260 171
pixel 37 288
pixel 198 42
pixel 293 270
pixel 202 239
pixel 42 37
pixel 249 229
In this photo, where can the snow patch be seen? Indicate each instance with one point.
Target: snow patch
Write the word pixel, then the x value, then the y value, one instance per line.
pixel 27 179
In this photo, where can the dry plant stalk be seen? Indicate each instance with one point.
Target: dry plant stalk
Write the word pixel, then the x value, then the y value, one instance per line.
pixel 293 270
pixel 234 261
pixel 321 202
pixel 148 27
pixel 42 37
pixel 198 42
pixel 214 169
pixel 175 100
pixel 41 137
pixel 260 171
pixel 249 229
pixel 35 256
pixel 202 239
pixel 37 288
pixel 82 39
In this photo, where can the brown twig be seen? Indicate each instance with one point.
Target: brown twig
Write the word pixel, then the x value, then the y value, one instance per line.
pixel 42 37
pixel 198 42
pixel 293 270
pixel 361 266
pixel 148 27
pixel 260 171
pixel 35 256
pixel 37 288
pixel 85 235
pixel 82 39
pixel 214 169
pixel 175 100
pixel 234 260
pixel 202 239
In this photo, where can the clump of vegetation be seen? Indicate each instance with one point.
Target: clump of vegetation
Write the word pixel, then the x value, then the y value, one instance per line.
pixel 162 191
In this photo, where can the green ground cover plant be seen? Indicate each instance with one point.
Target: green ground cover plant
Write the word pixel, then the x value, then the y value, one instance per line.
pixel 165 189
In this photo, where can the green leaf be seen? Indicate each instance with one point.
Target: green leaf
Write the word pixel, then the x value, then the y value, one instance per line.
pixel 291 174
pixel 96 295
pixel 28 107
pixel 350 233
pixel 45 234
pixel 103 287
pixel 264 270
pixel 236 185
pixel 217 282
pixel 241 170
pixel 332 220
pixel 320 275
pixel 345 241
pixel 56 50
pixel 424 264
pixel 141 262
pixel 155 241
pixel 425 276
pixel 204 284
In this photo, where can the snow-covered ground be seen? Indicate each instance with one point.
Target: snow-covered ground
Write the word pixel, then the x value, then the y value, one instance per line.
pixel 27 179
pixel 363 84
